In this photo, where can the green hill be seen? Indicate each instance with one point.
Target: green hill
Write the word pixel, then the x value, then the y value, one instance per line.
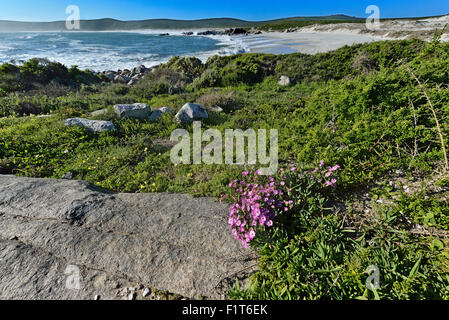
pixel 113 24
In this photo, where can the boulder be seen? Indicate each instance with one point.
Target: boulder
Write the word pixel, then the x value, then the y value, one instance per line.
pixel 99 112
pixel 136 110
pixel 140 69
pixel 158 113
pixel 91 125
pixel 166 109
pixel 122 79
pixel 190 112
pixel 67 239
pixel 216 109
pixel 284 81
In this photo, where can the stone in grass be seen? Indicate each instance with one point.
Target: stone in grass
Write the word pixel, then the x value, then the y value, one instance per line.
pixel 157 114
pixel 284 81
pixel 99 112
pixel 136 110
pixel 190 112
pixel 91 125
pixel 146 292
pixel 166 109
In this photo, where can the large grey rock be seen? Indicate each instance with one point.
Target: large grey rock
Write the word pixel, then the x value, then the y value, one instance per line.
pixel 91 125
pixel 136 110
pixel 190 112
pixel 51 228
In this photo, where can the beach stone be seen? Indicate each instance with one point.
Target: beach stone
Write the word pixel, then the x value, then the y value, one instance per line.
pixel 136 110
pixel 91 125
pixel 190 112
pixel 284 81
pixel 171 242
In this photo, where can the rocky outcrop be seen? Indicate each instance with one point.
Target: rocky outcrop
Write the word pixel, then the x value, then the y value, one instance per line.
pixel 126 76
pixel 91 125
pixel 65 239
pixel 190 112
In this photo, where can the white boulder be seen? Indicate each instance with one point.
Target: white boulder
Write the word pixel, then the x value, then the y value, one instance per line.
pixel 136 110
pixel 91 125
pixel 190 112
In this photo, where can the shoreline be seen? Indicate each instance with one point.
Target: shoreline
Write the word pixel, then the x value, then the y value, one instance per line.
pixel 311 39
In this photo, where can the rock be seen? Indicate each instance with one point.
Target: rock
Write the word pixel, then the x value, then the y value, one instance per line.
pixel 284 81
pixel 132 296
pixel 99 112
pixel 166 109
pixel 122 79
pixel 216 109
pixel 190 112
pixel 189 33
pixel 235 31
pixel 136 110
pixel 91 125
pixel 211 33
pixel 140 69
pixel 97 297
pixel 171 242
pixel 156 115
pixel 146 292
pixel 68 176
pixel 132 82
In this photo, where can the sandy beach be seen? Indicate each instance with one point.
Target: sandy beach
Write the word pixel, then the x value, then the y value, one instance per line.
pixel 304 42
pixel 322 38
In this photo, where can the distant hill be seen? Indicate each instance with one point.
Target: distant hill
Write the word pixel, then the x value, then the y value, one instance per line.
pixel 108 24
pixel 112 24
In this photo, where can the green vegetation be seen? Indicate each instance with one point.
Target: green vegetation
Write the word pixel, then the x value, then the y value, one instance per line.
pixel 358 106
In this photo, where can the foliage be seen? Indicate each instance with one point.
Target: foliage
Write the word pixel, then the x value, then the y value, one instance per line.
pixel 311 254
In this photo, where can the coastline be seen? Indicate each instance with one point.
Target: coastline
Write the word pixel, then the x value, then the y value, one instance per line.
pixel 311 39
pixel 304 42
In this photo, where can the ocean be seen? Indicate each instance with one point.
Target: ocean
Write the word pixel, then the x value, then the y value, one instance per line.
pixel 100 51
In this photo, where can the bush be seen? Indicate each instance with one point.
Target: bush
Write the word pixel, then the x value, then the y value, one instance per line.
pixel 228 102
pixel 160 81
pixel 309 253
pixel 190 67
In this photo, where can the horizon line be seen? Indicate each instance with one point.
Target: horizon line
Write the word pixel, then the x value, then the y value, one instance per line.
pixel 231 18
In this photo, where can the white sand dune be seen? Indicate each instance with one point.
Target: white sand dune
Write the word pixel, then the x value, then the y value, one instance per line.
pixel 322 38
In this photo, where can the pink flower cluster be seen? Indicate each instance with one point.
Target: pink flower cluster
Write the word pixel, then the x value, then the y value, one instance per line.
pixel 326 174
pixel 255 205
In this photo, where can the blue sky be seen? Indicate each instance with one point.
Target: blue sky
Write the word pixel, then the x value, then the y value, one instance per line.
pixel 50 10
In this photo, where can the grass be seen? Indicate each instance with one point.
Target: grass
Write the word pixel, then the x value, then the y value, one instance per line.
pixel 357 106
